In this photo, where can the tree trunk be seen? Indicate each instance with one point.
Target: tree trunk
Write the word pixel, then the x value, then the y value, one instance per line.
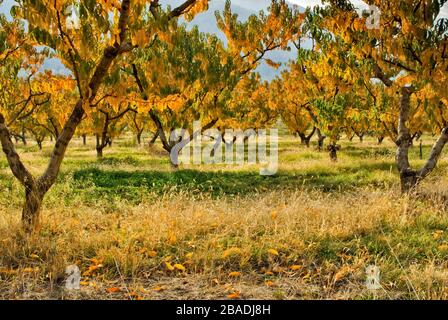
pixel 35 189
pixel 154 138
pixel 23 137
pixel 84 139
pixel 31 210
pixel 161 133
pixel 100 145
pixel 307 142
pixel 139 138
pixel 408 177
pixel 39 144
pixel 411 178
pixel 303 140
pixel 360 136
pixel 320 140
pixel 333 149
pixel 99 152
pixel 421 150
pixel 408 180
pixel 380 140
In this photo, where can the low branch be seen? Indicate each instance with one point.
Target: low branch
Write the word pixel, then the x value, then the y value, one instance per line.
pixel 15 163
pixel 435 154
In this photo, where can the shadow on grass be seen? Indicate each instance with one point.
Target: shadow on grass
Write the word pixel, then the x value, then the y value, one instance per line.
pixel 384 152
pixel 132 185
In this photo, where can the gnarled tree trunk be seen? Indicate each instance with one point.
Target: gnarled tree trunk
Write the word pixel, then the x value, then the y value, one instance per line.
pixel 32 208
pixel 410 178
pixel 23 137
pixel 333 149
pixel 320 140
pixel 305 139
pixel 351 137
pixel 101 143
pixel 139 137
pixel 154 138
pixel 360 137
pixel 35 189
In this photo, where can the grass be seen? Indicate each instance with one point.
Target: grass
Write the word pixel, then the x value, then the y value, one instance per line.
pixel 139 230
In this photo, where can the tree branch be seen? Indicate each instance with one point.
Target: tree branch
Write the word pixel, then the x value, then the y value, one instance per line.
pixel 17 167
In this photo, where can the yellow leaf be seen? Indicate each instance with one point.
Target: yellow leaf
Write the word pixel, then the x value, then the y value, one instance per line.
pixel 437 234
pixel 273 252
pixel 269 283
pixel 342 273
pixel 92 269
pixel 113 290
pixel 158 288
pixel 295 267
pixel 172 238
pixel 234 295
pixel 180 267
pixel 34 256
pixel 169 266
pixel 135 296
pixel 152 253
pixel 234 274
pixel 7 271
pixel 231 252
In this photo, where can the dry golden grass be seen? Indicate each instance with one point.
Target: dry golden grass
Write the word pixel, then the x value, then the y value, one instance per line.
pixel 277 237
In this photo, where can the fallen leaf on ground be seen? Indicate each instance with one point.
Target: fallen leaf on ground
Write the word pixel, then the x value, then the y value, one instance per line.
pixel 234 274
pixel 113 290
pixel 234 295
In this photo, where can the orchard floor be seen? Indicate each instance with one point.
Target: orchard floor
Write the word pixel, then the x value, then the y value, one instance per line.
pixel 139 230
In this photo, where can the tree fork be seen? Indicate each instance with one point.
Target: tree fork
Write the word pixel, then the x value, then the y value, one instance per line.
pixel 411 178
pixel 35 190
